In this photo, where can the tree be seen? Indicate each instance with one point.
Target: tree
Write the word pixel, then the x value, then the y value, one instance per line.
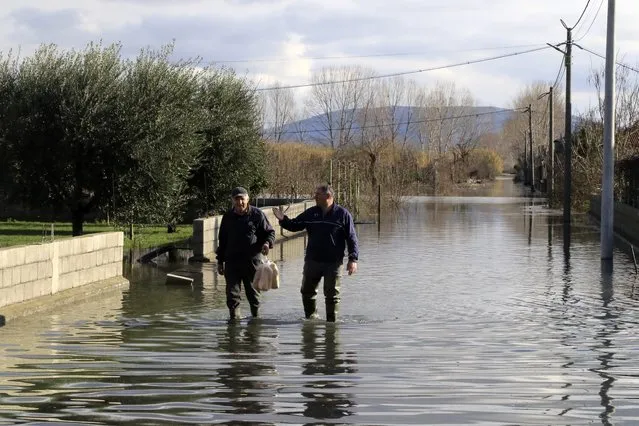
pixel 516 129
pixel 445 116
pixel 63 119
pixel 588 135
pixel 338 93
pixel 234 152
pixel 278 111
pixel 295 168
pixel 626 108
pixel 447 127
pixel 8 77
pixel 159 138
pixel 385 120
pixel 88 131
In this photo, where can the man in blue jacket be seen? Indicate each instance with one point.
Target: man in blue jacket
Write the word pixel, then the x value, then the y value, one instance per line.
pixel 330 231
pixel 244 233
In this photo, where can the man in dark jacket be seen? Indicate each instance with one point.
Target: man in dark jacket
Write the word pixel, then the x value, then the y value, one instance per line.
pixel 330 231
pixel 244 233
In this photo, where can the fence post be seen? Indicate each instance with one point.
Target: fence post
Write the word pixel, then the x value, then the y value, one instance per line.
pixel 379 207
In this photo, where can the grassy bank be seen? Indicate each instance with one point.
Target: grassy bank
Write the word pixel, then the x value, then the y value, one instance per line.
pixel 15 233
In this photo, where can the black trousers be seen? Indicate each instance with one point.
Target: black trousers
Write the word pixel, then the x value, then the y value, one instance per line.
pixel 313 274
pixel 237 273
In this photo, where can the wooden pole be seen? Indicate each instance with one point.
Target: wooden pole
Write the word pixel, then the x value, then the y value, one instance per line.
pixel 379 207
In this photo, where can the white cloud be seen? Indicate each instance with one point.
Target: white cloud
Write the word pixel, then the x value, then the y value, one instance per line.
pixel 297 32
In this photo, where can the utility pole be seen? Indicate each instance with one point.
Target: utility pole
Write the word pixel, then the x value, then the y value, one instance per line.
pixel 550 178
pixel 551 154
pixel 608 175
pixel 526 176
pixel 532 154
pixel 568 131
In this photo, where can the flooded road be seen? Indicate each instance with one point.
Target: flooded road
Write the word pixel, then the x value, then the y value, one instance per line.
pixel 465 310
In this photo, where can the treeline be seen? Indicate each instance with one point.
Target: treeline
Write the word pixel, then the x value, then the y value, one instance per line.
pixel 394 132
pixel 587 136
pixel 142 140
pixel 295 168
pixel 588 139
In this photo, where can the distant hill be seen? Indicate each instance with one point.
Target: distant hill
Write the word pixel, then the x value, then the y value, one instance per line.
pixel 313 130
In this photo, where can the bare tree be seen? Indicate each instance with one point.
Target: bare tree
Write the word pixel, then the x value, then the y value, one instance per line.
pixel 299 128
pixel 448 118
pixel 395 101
pixel 386 120
pixel 339 92
pixel 518 124
pixel 626 108
pixel 419 127
pixel 278 111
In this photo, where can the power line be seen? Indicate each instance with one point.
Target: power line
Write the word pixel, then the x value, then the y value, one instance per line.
pixel 592 22
pixel 582 14
pixel 621 64
pixel 397 74
pixel 560 73
pixel 401 123
pixel 373 55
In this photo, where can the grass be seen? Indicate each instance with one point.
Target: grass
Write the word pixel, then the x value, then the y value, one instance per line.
pixel 14 233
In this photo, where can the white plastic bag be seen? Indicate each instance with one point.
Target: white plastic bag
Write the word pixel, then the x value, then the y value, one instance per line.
pixel 267 276
pixel 275 276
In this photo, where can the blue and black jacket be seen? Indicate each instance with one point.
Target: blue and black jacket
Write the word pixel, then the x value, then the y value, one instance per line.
pixel 241 237
pixel 328 235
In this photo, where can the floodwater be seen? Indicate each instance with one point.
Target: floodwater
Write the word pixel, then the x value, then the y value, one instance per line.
pixel 465 310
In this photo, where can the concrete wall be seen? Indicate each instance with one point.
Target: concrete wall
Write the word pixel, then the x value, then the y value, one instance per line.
pixel 626 220
pixel 205 231
pixel 29 272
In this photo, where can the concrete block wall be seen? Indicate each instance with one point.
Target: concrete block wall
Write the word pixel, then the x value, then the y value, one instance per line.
pixel 28 272
pixel 205 230
pixel 625 222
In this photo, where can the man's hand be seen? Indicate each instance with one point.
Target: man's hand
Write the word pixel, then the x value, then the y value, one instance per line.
pixel 265 249
pixel 351 267
pixel 278 213
pixel 220 268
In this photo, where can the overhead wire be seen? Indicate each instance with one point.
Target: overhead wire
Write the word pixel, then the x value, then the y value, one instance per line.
pixel 582 14
pixel 560 73
pixel 398 74
pixel 591 22
pixel 373 55
pixel 621 64
pixel 401 123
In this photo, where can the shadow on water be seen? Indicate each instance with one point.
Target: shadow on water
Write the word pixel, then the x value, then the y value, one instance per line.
pixel 247 361
pixel 606 347
pixel 327 369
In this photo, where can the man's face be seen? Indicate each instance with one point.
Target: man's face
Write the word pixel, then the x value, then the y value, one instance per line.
pixel 240 203
pixel 321 197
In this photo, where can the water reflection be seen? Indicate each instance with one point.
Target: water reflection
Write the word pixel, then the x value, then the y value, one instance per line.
pixel 516 331
pixel 247 361
pixel 326 391
pixel 609 327
pixel 567 276
pixel 567 239
pixel 154 296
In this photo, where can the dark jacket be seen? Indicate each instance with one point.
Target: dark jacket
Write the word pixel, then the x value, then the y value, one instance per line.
pixel 241 237
pixel 328 236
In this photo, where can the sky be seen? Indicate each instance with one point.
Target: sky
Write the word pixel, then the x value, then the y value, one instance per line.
pixel 286 40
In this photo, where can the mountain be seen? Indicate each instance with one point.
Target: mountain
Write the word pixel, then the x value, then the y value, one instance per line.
pixel 314 130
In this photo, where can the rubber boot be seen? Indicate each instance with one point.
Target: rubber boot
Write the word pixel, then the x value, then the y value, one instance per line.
pixel 331 311
pixel 255 311
pixel 235 314
pixel 310 310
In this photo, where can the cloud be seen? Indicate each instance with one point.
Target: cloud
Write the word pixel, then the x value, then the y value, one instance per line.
pixel 297 34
